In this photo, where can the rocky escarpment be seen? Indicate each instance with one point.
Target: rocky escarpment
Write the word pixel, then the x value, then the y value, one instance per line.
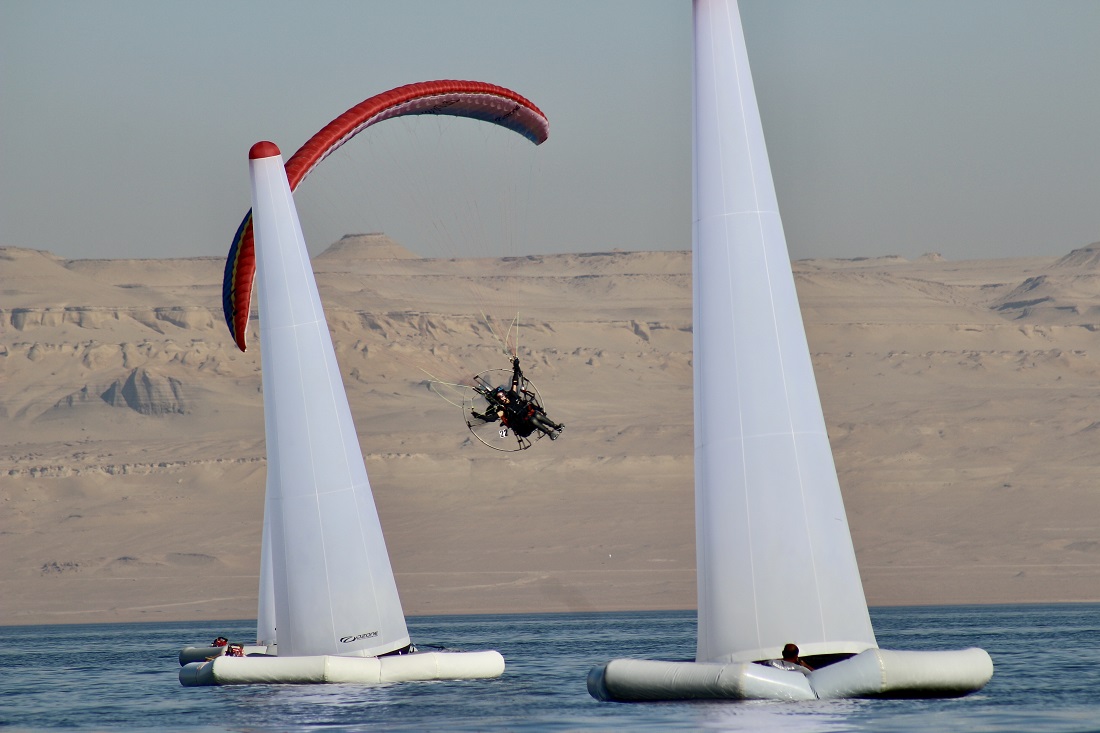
pixel 101 317
pixel 88 466
pixel 147 394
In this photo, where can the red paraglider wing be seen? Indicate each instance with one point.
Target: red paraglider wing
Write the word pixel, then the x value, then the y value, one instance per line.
pixel 474 99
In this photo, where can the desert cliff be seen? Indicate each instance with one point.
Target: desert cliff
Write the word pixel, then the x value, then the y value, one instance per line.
pixel 961 401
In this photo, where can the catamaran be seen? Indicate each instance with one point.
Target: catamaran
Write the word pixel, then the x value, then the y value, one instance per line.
pixel 775 560
pixel 332 603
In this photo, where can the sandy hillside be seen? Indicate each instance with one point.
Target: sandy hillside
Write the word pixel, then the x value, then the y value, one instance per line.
pixel 960 399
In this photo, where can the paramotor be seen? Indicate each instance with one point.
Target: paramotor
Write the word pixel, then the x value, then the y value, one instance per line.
pixel 497 407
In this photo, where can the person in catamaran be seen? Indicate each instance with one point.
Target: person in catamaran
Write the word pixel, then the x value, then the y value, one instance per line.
pixel 790 662
pixel 790 655
pixel 517 408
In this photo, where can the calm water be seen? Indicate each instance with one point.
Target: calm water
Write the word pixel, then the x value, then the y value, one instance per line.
pixel 126 676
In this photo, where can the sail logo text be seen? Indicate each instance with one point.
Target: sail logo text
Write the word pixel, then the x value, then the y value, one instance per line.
pixel 357 637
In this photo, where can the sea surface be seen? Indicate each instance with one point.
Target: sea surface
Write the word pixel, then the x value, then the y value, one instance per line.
pixel 126 676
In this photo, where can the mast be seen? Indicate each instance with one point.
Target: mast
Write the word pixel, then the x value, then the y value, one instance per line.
pixel 334 590
pixel 774 553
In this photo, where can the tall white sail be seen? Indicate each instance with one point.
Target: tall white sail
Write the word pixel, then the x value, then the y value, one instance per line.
pixel 334 589
pixel 775 557
pixel 265 607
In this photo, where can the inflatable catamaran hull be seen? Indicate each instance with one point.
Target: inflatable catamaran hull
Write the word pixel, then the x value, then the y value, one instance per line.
pixel 873 673
pixel 327 669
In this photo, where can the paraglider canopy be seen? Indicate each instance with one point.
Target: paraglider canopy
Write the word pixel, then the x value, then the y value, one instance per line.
pixel 472 99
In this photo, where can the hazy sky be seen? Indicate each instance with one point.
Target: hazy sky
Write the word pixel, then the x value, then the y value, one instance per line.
pixel 967 127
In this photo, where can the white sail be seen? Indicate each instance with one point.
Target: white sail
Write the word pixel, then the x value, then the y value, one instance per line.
pixel 333 585
pixel 775 557
pixel 265 608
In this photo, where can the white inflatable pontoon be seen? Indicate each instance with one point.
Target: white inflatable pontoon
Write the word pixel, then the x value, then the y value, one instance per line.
pixel 419 666
pixel 873 673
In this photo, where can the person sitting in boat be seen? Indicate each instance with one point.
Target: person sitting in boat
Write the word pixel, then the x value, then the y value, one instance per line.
pixel 220 641
pixel 234 650
pixel 790 662
pixel 790 656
